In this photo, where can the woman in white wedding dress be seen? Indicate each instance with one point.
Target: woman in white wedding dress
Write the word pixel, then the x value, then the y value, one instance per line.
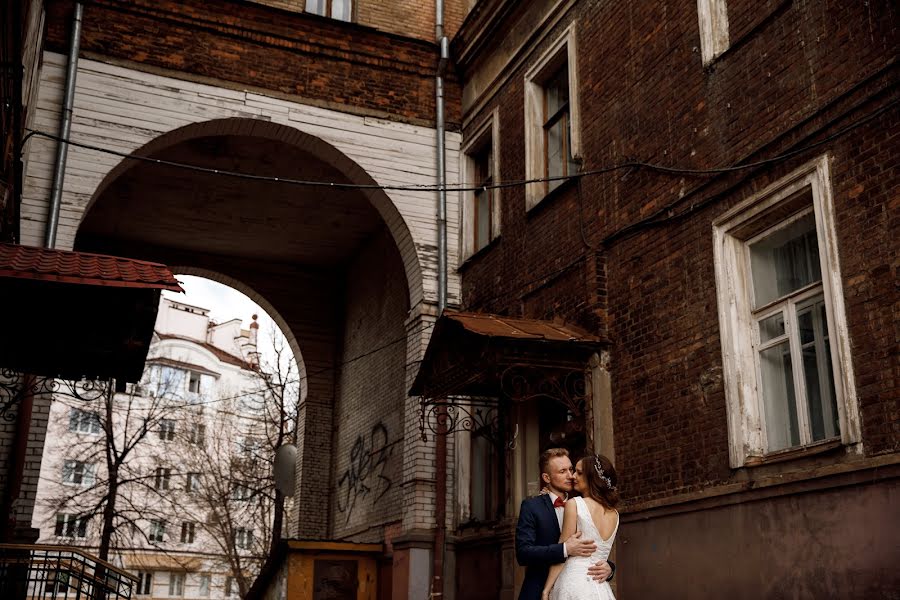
pixel 594 515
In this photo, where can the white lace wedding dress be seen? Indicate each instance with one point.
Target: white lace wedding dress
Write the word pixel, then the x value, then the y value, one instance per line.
pixel 574 583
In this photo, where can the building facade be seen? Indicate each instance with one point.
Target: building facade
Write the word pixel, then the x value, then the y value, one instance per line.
pixel 716 194
pixel 192 482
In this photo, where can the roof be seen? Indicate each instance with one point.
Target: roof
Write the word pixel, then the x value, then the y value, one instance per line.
pixel 44 264
pixel 467 350
pixel 222 355
pixel 520 329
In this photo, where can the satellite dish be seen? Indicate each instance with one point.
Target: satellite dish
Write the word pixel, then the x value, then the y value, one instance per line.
pixel 285 469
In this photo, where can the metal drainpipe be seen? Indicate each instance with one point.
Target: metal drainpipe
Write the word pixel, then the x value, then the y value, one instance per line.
pixel 65 128
pixel 440 441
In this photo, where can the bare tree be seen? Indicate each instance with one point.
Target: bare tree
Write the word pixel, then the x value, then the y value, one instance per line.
pixel 100 471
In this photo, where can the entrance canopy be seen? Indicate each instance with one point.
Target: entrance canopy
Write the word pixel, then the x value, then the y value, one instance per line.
pixel 477 362
pixel 74 315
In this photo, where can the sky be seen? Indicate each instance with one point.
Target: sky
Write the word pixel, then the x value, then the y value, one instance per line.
pixel 225 303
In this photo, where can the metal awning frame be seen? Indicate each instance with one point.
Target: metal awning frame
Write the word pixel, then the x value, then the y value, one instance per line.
pixel 15 386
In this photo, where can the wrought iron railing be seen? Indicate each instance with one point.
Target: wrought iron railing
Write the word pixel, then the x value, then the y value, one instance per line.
pixel 37 572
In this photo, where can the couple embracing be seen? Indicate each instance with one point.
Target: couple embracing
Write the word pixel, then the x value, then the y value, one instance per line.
pixel 564 540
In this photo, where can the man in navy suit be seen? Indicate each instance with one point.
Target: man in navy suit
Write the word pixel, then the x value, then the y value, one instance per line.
pixel 540 521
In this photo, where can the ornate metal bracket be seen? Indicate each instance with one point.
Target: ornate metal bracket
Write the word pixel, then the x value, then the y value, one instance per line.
pixel 569 387
pixel 446 416
pixel 14 386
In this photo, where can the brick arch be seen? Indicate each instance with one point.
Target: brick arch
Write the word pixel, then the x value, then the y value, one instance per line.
pixel 239 126
pixel 267 306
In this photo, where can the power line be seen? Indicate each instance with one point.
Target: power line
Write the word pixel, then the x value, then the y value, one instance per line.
pixel 459 187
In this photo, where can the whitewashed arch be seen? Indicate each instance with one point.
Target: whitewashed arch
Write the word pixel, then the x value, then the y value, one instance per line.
pixel 131 111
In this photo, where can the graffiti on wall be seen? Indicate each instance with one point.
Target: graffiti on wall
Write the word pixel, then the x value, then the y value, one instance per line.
pixel 365 478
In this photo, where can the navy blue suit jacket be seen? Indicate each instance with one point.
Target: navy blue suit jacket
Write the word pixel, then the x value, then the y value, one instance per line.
pixel 537 544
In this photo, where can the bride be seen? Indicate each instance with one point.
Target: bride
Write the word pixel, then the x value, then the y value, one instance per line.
pixel 594 515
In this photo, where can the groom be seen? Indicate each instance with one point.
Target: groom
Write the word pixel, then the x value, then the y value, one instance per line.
pixel 540 521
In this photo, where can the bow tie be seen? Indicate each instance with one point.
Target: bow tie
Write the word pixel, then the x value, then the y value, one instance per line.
pixel 559 503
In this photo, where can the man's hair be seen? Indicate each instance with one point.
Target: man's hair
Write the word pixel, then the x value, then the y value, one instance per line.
pixel 551 453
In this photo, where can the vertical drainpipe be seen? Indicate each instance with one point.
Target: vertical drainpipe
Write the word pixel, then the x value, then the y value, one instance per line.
pixel 65 128
pixel 440 441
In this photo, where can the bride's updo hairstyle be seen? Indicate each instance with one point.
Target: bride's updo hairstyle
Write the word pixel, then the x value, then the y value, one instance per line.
pixel 602 479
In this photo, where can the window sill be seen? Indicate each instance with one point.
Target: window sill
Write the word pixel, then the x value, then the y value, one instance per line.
pixel 822 447
pixel 468 260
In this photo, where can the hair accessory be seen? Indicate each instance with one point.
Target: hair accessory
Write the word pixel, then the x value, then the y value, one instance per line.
pixel 600 474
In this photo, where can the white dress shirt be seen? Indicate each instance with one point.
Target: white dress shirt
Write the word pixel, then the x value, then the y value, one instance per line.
pixel 559 517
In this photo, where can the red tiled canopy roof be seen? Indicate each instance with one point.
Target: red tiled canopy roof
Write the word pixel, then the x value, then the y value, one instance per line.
pixel 28 262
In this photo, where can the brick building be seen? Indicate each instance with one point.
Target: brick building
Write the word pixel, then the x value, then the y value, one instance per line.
pixel 747 389
pixel 645 268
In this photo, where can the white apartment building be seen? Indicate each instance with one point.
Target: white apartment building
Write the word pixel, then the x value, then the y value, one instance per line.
pixel 192 505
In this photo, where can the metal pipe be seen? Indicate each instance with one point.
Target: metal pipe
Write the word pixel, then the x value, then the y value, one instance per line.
pixel 440 441
pixel 65 128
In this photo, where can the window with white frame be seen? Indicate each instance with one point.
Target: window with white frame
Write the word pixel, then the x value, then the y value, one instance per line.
pixel 784 334
pixel 176 585
pixel 73 526
pixel 167 430
pixel 162 477
pixel 243 538
pixel 157 531
pixel 203 585
pixel 188 531
pixel 552 119
pixel 713 16
pixel 57 583
pixel 84 421
pixel 192 482
pixel 335 9
pixel 78 472
pixel 144 584
pixel 481 207
pixel 197 434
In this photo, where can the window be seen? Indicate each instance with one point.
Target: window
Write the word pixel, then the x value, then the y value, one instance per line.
pixel 167 430
pixel 483 488
pixel 157 531
pixel 197 434
pixel 231 587
pixel 77 472
pixel 72 526
pixel 336 9
pixel 243 538
pixel 176 585
pixel 162 478
pixel 83 421
pixel 713 15
pixel 552 123
pixel 145 583
pixel 784 332
pixel 187 532
pixel 240 491
pixel 192 483
pixel 194 383
pixel 481 208
pixel 203 585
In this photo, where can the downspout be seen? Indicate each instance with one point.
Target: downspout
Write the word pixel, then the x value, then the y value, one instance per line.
pixel 440 441
pixel 65 128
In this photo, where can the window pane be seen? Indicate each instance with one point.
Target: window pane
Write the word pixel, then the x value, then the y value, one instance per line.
pixel 771 328
pixel 817 370
pixel 785 261
pixel 340 9
pixel 318 7
pixel 483 218
pixel 778 397
pixel 480 471
pixel 555 152
pixel 557 89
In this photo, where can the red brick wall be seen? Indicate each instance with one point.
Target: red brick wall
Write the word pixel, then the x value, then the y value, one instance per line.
pixel 322 61
pixel 793 75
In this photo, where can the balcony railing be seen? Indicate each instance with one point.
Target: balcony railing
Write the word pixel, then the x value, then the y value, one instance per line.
pixel 38 572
